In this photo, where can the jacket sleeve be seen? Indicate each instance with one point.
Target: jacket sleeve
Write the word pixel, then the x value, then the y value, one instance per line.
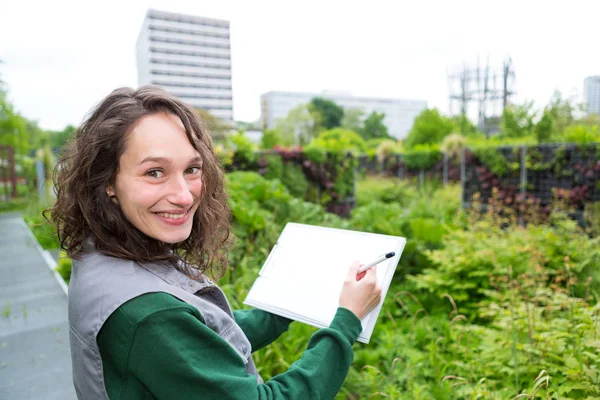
pixel 261 327
pixel 176 356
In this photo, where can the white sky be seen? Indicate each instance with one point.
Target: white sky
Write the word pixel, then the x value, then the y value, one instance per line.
pixel 62 57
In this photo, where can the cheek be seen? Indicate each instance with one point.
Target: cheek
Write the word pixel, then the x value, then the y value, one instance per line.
pixel 137 196
pixel 197 187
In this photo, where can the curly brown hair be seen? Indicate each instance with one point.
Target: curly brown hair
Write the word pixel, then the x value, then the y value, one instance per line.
pixel 89 164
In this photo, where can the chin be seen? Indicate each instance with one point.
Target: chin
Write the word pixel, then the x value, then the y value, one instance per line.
pixel 174 237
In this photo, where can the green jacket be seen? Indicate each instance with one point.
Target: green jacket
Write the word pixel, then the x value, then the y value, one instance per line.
pixel 156 346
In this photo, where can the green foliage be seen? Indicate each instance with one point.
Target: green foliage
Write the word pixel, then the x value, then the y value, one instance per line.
pixel 300 126
pixel 316 154
pixel 274 166
pixel 294 180
pixel 339 141
pixel 270 139
pixel 495 161
pixel 244 151
pixel 217 128
pixel 388 147
pixel 543 129
pixel 517 120
pixel 64 266
pixel 453 145
pixel 352 120
pixel 464 125
pixel 581 134
pixel 384 190
pixel 44 231
pixel 59 138
pixel 14 205
pixel 374 127
pixel 430 127
pixel 495 252
pixel 562 111
pixel 422 156
pixel 330 114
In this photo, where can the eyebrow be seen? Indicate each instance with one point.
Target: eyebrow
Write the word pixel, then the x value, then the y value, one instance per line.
pixel 166 160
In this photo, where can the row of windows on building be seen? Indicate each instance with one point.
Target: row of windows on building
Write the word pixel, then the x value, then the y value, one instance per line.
pixel 202 96
pixel 154 39
pixel 189 53
pixel 189 64
pixel 191 85
pixel 226 77
pixel 189 20
pixel 154 28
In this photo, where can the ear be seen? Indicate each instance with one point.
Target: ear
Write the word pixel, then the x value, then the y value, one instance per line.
pixel 110 191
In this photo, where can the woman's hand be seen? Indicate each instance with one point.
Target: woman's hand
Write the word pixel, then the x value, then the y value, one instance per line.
pixel 361 293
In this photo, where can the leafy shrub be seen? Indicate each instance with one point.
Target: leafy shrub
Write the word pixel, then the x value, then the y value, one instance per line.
pixel 453 145
pixel 294 179
pixel 581 134
pixel 339 141
pixel 388 148
pixel 422 156
pixel 384 190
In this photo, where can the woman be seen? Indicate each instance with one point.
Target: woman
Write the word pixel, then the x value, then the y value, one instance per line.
pixel 142 210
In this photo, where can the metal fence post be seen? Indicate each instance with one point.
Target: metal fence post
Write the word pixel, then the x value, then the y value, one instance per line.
pixel 445 168
pixel 463 176
pixel 40 175
pixel 401 168
pixel 523 180
pixel 523 171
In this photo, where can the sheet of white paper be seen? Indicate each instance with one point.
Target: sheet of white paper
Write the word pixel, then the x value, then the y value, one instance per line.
pixel 304 276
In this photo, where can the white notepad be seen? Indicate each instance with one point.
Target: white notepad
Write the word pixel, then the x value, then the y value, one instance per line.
pixel 303 276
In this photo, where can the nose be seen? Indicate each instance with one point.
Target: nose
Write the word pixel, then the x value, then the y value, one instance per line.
pixel 180 193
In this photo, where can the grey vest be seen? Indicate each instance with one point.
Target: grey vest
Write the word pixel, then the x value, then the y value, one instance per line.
pixel 100 284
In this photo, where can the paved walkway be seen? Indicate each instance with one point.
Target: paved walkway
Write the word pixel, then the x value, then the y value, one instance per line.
pixel 35 360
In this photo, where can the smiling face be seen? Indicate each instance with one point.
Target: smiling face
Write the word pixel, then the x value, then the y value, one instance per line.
pixel 159 181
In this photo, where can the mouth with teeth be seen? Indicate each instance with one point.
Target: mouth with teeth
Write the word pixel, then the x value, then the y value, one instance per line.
pixel 179 218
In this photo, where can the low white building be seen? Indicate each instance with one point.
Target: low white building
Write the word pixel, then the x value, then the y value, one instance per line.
pixel 399 114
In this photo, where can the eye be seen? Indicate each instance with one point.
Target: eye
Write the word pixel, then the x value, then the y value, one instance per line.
pixel 193 170
pixel 155 173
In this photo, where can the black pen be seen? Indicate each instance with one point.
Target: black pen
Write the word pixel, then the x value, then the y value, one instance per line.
pixel 373 263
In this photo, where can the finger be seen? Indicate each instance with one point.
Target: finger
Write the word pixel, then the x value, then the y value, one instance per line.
pixel 360 275
pixel 353 268
pixel 371 273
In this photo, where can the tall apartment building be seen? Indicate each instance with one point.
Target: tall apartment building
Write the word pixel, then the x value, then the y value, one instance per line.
pixel 190 57
pixel 399 114
pixel 591 94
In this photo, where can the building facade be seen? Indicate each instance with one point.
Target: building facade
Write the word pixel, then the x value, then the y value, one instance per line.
pixel 190 57
pixel 399 114
pixel 591 94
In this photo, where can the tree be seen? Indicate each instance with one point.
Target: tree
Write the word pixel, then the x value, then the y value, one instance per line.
pixel 270 139
pixel 217 128
pixel 330 114
pixel 353 119
pixel 429 127
pixel 543 129
pixel 299 126
pixel 562 111
pixel 374 127
pixel 59 138
pixel 517 120
pixel 339 140
pixel 464 125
